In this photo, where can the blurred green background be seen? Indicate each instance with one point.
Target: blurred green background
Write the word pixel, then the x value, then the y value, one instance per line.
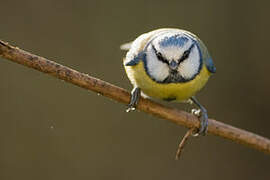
pixel 54 130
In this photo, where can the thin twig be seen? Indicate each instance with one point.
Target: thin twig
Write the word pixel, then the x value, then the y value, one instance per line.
pixel 183 143
pixel 174 115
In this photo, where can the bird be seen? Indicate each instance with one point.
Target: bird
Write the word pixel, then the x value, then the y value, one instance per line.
pixel 170 64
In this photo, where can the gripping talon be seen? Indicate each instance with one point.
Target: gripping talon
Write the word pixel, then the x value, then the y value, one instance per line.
pixel 196 112
pixel 135 96
pixel 202 115
pixel 130 108
pixel 203 123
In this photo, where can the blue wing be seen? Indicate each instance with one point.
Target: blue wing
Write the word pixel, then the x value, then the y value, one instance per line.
pixel 210 65
pixel 136 59
pixel 205 54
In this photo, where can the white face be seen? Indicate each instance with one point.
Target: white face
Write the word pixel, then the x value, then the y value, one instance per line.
pixel 173 57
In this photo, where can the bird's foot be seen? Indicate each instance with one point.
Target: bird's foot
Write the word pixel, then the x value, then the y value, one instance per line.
pixel 196 112
pixel 130 108
pixel 203 117
pixel 135 96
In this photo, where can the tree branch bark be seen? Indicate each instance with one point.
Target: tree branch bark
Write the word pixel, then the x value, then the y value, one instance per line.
pixel 116 93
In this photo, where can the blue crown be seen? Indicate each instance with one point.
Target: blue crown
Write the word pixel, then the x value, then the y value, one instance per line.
pixel 175 40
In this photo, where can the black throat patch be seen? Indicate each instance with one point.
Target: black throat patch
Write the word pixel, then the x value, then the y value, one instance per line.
pixel 174 77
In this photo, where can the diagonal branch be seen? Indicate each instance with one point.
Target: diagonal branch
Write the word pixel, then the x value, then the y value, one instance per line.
pixel 106 89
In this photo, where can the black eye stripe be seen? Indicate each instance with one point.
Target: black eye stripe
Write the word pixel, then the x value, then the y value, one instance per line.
pixel 186 53
pixel 159 56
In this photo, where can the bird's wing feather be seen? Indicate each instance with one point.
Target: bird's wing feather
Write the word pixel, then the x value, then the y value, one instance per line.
pixel 126 46
pixel 207 58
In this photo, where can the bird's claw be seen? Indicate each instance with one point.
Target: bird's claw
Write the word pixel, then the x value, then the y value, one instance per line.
pixel 196 112
pixel 135 96
pixel 202 115
pixel 130 108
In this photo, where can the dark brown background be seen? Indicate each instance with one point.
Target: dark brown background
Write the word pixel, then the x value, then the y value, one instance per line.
pixel 53 130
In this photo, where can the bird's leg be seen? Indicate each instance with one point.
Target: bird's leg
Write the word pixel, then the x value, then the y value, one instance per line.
pixel 135 96
pixel 202 114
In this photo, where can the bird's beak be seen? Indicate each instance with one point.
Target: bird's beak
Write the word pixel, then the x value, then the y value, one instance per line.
pixel 173 65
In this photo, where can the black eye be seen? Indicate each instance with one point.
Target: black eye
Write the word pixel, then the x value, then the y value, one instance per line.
pixel 160 57
pixel 185 55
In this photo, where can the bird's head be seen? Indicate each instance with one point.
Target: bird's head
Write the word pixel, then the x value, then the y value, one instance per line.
pixel 173 57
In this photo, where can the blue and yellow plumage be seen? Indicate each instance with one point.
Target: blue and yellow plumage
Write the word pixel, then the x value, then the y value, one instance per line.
pixel 168 64
pixel 179 91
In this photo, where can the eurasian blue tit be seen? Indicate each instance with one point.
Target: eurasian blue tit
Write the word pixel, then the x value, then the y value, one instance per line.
pixel 168 64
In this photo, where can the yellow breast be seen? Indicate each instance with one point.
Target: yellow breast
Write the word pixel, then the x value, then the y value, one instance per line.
pixel 178 91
